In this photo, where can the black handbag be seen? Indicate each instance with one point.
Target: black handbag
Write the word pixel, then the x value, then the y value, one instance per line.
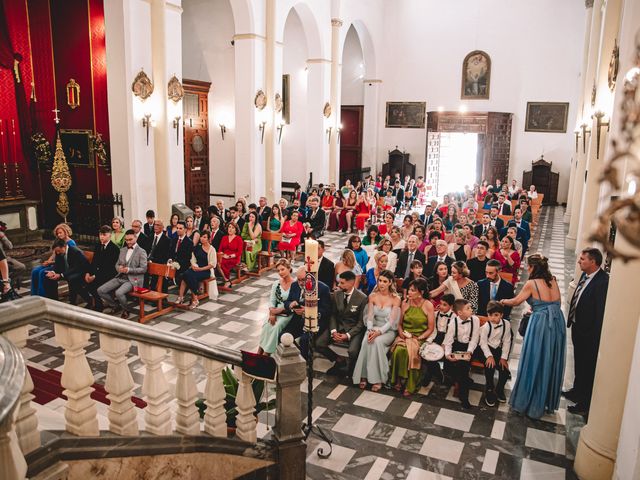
pixel 524 322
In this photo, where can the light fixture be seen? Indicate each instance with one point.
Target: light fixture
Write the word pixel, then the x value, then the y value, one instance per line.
pixel 585 130
pixel 440 109
pixel 176 125
pixel 261 129
pixel 339 130
pixel 329 130
pixel 280 128
pixel 576 132
pixel 462 109
pixel 599 115
pixel 223 129
pixel 146 123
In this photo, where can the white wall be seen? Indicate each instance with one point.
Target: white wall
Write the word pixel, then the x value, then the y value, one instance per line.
pixel 207 55
pixel 352 70
pixel 536 52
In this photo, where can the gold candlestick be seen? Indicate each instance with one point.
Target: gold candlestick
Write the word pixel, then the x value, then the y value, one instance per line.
pixel 19 192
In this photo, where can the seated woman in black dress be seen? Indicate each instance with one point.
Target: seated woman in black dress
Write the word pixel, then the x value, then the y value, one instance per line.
pixel 203 263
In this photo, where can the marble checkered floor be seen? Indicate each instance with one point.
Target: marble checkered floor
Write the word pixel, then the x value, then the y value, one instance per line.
pixel 377 435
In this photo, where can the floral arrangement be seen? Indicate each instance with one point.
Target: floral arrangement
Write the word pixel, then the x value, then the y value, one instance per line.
pixel 41 148
pixel 174 265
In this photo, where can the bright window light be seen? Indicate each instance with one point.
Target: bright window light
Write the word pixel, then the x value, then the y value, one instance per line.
pixel 458 153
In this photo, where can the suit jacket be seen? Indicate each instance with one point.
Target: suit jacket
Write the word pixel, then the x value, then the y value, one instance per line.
pixel 401 266
pixel 143 241
pixel 590 308
pixel 137 265
pixel 521 236
pixel 240 224
pixel 351 320
pixel 429 269
pixel 324 304
pixel 103 265
pixel 506 208
pixel 477 230
pixel 318 221
pixel 303 198
pixel 327 272
pixel 159 253
pixel 264 213
pixel 428 220
pixel 203 221
pixel 74 268
pixel 505 290
pixel 216 239
pixel 147 229
pixel 181 255
pixel 499 224
pixel 524 225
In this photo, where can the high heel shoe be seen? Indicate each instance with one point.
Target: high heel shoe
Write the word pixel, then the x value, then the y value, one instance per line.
pixel 180 300
pixel 194 304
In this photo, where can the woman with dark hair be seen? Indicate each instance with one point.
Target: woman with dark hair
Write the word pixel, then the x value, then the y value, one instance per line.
pixel 335 218
pixel 252 236
pixel 349 210
pixel 291 233
pixel 372 238
pixel 363 212
pixel 460 285
pixel 451 218
pixel 172 228
pixel 541 367
pixel 508 257
pixel 418 321
pixel 231 247
pixel 203 264
pixel 386 227
pixel 355 244
pixel 440 275
pixel 274 224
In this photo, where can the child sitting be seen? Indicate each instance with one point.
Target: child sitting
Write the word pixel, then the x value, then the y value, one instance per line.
pixel 459 344
pixel 415 272
pixel 443 316
pixel 495 345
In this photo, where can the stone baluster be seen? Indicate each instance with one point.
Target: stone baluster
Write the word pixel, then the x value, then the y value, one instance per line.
pixel 215 417
pixel 12 462
pixel 119 385
pixel 27 421
pixel 80 412
pixel 246 425
pixel 155 390
pixel 187 417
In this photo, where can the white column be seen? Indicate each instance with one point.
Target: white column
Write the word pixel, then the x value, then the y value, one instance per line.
pixel 246 405
pixel 336 103
pixel 166 30
pixel 187 418
pixel 215 418
pixel 370 125
pixel 318 94
pixel 155 390
pixel 572 171
pixel 249 78
pixel 12 463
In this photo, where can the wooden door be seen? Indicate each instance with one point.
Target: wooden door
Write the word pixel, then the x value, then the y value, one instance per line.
pixel 351 143
pixel 196 143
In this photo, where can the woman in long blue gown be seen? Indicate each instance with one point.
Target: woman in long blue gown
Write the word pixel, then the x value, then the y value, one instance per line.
pixel 541 367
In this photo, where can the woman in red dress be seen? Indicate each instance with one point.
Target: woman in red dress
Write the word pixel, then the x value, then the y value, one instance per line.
pixel 349 209
pixel 363 212
pixel 230 252
pixel 508 257
pixel 291 232
pixel 336 214
pixel 386 227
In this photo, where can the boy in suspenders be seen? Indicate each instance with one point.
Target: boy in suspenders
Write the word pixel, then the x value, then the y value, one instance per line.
pixel 495 345
pixel 459 344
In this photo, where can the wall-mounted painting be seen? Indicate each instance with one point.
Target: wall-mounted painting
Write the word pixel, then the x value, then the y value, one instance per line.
pixel 286 99
pixel 476 75
pixel 548 117
pixel 77 146
pixel 405 114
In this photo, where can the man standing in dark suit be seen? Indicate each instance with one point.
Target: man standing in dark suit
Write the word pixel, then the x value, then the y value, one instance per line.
pixel 586 312
pixel 236 218
pixel 398 192
pixel 264 210
pixel 483 226
pixel 159 245
pixel 504 208
pixel 441 256
pixel 200 220
pixel 520 222
pixel 427 217
pixel 493 288
pixel 70 264
pixel 300 195
pixel 148 227
pixel 326 269
pixel 495 220
pixel 141 239
pixel 181 250
pixel 408 255
pixel 103 266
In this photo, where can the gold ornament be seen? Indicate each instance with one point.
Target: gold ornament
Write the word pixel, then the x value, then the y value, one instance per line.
pixel 61 179
pixel 175 90
pixel 278 103
pixel 142 86
pixel 326 111
pixel 260 101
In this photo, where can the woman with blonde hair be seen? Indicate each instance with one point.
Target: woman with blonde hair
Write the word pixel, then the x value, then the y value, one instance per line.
pixel 278 318
pixel 348 262
pixel 381 259
pixel 117 233
pixel 459 249
pixel 40 284
pixel 381 321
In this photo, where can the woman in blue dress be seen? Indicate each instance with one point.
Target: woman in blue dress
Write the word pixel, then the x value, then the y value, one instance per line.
pixel 278 319
pixel 541 368
pixel 40 284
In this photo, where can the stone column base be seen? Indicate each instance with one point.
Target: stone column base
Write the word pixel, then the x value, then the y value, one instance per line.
pixel 570 242
pixel 593 461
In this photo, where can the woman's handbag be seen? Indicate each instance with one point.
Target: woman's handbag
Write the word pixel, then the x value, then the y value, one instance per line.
pixel 524 322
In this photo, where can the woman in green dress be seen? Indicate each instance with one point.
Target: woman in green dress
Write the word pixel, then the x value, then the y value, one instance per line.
pixel 252 236
pixel 274 224
pixel 117 234
pixel 418 321
pixel 278 319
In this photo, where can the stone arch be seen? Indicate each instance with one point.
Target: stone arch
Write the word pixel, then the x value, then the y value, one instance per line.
pixel 315 45
pixel 243 16
pixel 368 49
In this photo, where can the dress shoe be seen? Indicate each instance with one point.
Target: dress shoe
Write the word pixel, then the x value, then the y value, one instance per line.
pixel 465 404
pixel 502 398
pixel 337 370
pixel 125 315
pixel 571 395
pixel 490 398
pixel 579 409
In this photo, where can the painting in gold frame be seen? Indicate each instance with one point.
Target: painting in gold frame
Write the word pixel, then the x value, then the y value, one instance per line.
pixel 405 114
pixel 546 117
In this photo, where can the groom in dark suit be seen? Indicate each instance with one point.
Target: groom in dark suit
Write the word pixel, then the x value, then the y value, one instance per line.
pixel 493 288
pixel 586 312
pixel 346 325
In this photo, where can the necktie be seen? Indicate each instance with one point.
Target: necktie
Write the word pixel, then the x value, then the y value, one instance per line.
pixel 494 290
pixel 155 242
pixel 408 269
pixel 346 300
pixel 485 228
pixel 574 300
pixel 178 244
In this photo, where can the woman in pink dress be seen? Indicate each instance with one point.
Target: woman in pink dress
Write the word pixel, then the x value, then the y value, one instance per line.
pixel 291 232
pixel 508 256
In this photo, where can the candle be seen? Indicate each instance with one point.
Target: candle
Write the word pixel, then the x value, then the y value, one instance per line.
pixel 13 129
pixel 1 143
pixel 311 286
pixel 311 253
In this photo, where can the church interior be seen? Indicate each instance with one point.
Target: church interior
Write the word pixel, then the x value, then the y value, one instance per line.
pixel 196 200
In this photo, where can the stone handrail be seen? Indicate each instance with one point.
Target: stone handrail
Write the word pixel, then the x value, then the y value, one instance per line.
pixel 19 434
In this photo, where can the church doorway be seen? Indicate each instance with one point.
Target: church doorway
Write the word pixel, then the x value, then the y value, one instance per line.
pixel 458 157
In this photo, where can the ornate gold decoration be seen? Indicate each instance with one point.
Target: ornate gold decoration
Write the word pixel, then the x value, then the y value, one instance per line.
pixel 623 213
pixel 278 104
pixel 594 94
pixel 61 179
pixel 73 94
pixel 614 64
pixel 261 100
pixel 175 90
pixel 326 111
pixel 142 86
pixel 336 22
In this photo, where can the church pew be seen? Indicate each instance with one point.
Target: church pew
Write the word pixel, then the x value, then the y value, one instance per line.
pixel 161 271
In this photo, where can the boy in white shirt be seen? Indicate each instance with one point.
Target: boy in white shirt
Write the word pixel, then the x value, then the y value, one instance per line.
pixel 495 345
pixel 443 317
pixel 461 338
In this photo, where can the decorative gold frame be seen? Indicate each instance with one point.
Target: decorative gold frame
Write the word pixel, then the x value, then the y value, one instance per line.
pixel 175 90
pixel 142 86
pixel 528 128
pixel 407 106
pixel 73 94
pixel 487 75
pixel 326 111
pixel 278 103
pixel 614 65
pixel 260 101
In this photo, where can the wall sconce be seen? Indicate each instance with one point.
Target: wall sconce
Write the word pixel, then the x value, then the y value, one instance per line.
pixel 576 132
pixel 599 124
pixel 223 129
pixel 146 123
pixel 585 131
pixel 329 130
pixel 280 129
pixel 261 129
pixel 176 125
pixel 338 130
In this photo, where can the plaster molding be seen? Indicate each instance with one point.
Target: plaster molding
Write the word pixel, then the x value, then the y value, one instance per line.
pixel 171 6
pixel 318 60
pixel 249 36
pixel 372 80
pixel 337 22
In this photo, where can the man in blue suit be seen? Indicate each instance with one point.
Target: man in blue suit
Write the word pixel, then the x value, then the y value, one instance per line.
pixel 295 305
pixel 519 222
pixel 493 288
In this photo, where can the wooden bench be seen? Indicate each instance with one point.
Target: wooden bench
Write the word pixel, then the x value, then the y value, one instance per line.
pixel 507 277
pixel 475 362
pixel 266 257
pixel 160 271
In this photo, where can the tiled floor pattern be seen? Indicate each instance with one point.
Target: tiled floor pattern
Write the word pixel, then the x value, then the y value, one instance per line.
pixel 377 435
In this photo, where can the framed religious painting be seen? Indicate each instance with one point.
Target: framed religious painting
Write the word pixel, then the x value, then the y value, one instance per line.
pixel 77 147
pixel 476 76
pixel 286 98
pixel 546 117
pixel 405 114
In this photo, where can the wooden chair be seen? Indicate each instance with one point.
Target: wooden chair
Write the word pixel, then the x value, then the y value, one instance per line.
pixel 161 271
pixel 478 363
pixel 507 277
pixel 88 255
pixel 241 276
pixel 265 258
pixel 506 219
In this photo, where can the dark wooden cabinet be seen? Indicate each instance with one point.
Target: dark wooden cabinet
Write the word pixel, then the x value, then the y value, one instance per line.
pixel 399 163
pixel 544 179
pixel 195 107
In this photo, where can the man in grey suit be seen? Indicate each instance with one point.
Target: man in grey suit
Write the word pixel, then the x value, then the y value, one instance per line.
pixel 131 267
pixel 346 324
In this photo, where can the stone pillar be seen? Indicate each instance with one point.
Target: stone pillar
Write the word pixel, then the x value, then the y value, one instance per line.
pixel 318 79
pixel 287 431
pixel 336 87
pixel 572 172
pixel 370 126
pixel 166 34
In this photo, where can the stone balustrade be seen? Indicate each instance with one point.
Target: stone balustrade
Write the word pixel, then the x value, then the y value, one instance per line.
pixel 19 433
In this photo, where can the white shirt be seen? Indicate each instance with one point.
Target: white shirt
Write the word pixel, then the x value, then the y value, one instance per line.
pixel 464 333
pixel 442 321
pixel 156 238
pixel 514 190
pixel 491 335
pixel 130 252
pixel 589 278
